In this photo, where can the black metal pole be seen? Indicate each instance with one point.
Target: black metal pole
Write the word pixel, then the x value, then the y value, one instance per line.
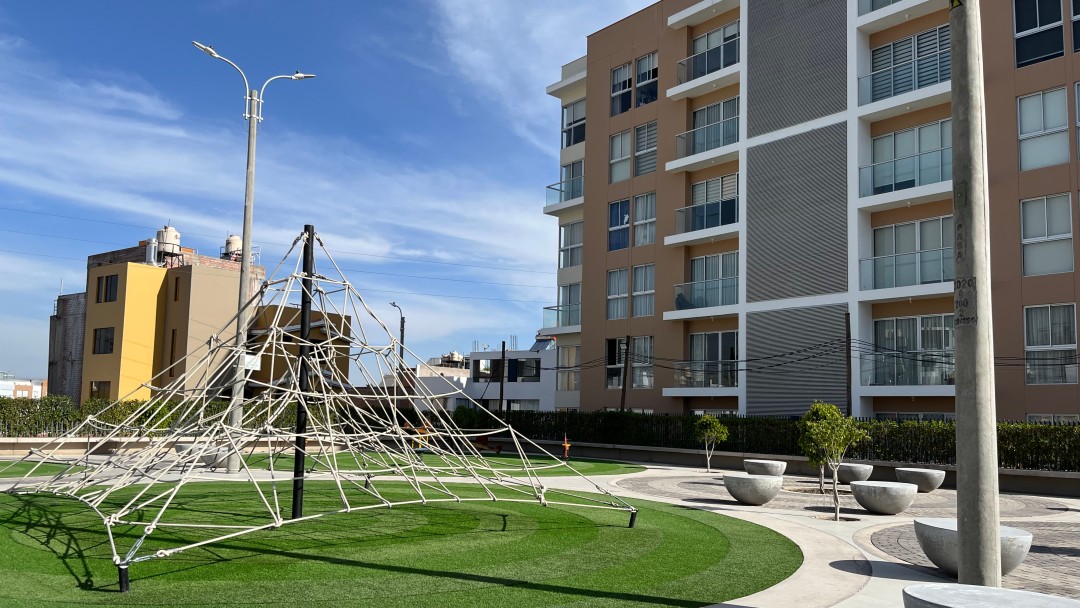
pixel 125 582
pixel 401 343
pixel 847 359
pixel 305 352
pixel 504 406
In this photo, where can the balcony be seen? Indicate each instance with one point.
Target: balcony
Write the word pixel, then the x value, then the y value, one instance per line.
pixel 704 379
pixel 932 371
pixel 710 298
pixel 700 13
pixel 707 71
pixel 903 173
pixel 917 74
pixel 564 195
pixel 562 319
pixel 866 6
pixel 705 222
pixel 705 146
pixel 877 15
pixel 930 269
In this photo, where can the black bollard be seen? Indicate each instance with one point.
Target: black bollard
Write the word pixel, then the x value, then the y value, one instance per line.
pixel 125 582
pixel 633 519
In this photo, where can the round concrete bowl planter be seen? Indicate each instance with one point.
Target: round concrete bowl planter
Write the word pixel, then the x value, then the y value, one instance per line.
pixel 928 480
pixel 938 540
pixel 753 489
pixel 850 471
pixel 764 467
pixel 884 497
pixel 952 595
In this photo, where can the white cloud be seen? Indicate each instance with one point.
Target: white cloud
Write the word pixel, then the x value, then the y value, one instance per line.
pixel 511 51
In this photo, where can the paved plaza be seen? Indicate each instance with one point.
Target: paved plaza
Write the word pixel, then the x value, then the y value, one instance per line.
pixel 868 559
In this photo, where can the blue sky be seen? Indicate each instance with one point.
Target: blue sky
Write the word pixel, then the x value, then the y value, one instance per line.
pixel 427 135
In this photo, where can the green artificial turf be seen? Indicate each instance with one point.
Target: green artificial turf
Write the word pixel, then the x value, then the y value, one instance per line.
pixel 18 469
pixel 508 465
pixel 54 552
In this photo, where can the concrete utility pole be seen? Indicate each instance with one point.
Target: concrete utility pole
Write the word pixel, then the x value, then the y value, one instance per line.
pixel 976 412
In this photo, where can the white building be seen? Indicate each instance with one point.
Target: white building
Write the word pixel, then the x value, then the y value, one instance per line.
pixel 529 378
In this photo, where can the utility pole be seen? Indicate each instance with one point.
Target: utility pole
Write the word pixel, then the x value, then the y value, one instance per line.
pixel 847 358
pixel 976 411
pixel 503 405
pixel 627 352
pixel 303 374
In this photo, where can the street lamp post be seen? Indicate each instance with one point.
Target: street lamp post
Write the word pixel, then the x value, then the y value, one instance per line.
pixel 253 115
pixel 401 339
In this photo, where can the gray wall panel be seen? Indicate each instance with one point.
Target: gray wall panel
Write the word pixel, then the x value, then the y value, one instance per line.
pixel 796 62
pixel 795 379
pixel 796 216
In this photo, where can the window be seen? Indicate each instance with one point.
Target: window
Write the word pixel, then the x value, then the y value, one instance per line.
pixel 568 377
pixel 714 51
pixel 645 149
pixel 176 290
pixel 172 353
pixel 1039 34
pixel 1050 344
pixel 915 253
pixel 103 340
pixel 644 289
pixel 570 240
pixel 616 294
pixel 714 126
pixel 647 72
pixel 907 64
pixel 106 288
pixel 572 181
pixel 620 89
pixel 909 158
pixel 902 416
pixel 616 360
pixel 569 305
pixel 911 351
pixel 1043 131
pixel 714 281
pixel 620 157
pixel 1046 234
pixel 1054 418
pixel 527 370
pixel 619 225
pixel 645 219
pixel 641 361
pixel 713 357
pixel 712 203
pixel 100 389
pixel 1076 23
pixel 573 123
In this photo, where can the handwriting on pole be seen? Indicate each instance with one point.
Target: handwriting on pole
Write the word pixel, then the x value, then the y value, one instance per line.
pixel 960 201
pixel 967 307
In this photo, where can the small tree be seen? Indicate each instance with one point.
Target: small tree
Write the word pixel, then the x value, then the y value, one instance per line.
pixel 819 411
pixel 709 431
pixel 833 436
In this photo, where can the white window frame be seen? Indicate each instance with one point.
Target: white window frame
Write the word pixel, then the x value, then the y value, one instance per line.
pixel 623 225
pixel 641 362
pixel 1035 30
pixel 569 368
pixel 626 143
pixel 569 127
pixel 618 301
pixel 627 85
pixel 644 223
pixel 647 291
pixel 568 251
pixel 620 362
pixel 1051 347
pixel 1046 237
pixel 1043 132
pixel 653 77
pixel 723 38
pixel 642 155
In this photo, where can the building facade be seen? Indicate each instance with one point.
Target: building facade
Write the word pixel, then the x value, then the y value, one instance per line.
pixel 759 213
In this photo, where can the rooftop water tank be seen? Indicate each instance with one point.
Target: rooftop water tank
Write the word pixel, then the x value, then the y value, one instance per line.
pixel 168 240
pixel 234 246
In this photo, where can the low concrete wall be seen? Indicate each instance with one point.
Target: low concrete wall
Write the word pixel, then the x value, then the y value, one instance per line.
pixel 1048 483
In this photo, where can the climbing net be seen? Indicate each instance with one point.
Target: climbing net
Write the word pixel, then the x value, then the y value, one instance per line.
pixel 136 470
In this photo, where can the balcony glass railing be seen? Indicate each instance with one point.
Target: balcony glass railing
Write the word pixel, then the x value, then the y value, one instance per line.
pixel 922 72
pixel 707 62
pixel 564 315
pixel 706 215
pixel 565 191
pixel 709 137
pixel 703 294
pixel 926 168
pixel 903 269
pixel 869 6
pixel 706 374
pixel 911 368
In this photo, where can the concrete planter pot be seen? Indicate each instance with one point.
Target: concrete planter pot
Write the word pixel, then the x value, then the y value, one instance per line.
pixel 938 540
pixel 884 497
pixel 850 471
pixel 753 489
pixel 952 595
pixel 928 480
pixel 764 467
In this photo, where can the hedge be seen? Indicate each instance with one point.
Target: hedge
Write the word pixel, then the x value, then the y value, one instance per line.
pixel 1020 445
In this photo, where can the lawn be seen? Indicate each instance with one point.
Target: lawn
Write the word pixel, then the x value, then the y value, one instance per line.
pixel 54 552
pixel 508 465
pixel 18 469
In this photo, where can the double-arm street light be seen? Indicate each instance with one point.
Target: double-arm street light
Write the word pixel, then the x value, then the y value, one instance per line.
pixel 253 115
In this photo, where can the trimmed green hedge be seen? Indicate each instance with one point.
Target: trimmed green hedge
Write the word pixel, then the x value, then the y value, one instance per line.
pixel 1020 445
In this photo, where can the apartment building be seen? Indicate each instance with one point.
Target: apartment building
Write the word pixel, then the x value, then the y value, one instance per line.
pixel 759 213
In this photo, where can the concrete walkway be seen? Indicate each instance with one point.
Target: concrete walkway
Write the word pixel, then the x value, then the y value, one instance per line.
pixel 867 561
